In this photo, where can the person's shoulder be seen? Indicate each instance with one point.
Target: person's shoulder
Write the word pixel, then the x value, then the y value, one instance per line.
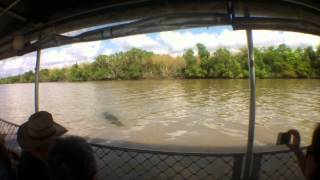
pixel 5 173
pixel 27 158
pixel 3 169
pixel 30 167
pixel 25 155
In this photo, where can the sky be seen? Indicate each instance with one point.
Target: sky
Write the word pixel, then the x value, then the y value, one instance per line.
pixel 169 42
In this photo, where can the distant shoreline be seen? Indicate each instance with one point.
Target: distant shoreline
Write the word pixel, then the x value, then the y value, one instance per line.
pixel 160 79
pixel 281 62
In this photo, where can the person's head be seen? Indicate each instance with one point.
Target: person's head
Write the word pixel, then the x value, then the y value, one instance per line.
pixel 71 158
pixel 37 133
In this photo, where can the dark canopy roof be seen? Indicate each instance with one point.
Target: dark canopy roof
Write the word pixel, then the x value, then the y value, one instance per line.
pixel 27 25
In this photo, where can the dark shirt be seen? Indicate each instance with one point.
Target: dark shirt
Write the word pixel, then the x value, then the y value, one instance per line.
pixel 316 175
pixel 32 168
pixel 5 173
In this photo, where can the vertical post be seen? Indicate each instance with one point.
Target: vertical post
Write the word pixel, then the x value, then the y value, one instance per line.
pixel 252 112
pixel 36 83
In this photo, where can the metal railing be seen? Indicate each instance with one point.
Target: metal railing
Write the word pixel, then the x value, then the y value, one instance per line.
pixel 128 163
pixel 10 129
pixel 124 163
pixel 280 164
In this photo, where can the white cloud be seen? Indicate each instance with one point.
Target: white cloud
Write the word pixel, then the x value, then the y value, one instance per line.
pixel 300 40
pixel 87 49
pixel 52 58
pixel 231 39
pixel 139 41
pixel 142 41
pixel 178 42
pixel 264 38
pixel 108 51
pixel 17 65
pixel 70 54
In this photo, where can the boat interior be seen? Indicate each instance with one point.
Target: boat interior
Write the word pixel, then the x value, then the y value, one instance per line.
pixel 28 26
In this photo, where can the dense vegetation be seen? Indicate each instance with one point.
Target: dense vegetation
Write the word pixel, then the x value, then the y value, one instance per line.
pixel 271 62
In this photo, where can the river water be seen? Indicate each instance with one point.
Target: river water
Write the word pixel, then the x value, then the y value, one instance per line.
pixel 211 113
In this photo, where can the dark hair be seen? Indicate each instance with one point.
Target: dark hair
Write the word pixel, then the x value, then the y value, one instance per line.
pixel 71 158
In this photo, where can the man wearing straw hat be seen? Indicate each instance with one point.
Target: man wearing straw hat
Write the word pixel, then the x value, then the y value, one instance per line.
pixel 34 137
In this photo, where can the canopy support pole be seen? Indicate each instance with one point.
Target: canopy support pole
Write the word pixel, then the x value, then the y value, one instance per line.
pixel 36 82
pixel 252 112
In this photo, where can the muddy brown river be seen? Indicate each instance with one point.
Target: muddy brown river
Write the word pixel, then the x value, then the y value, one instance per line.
pixel 171 112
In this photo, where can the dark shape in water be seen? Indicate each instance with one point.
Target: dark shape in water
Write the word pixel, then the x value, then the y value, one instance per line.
pixel 112 118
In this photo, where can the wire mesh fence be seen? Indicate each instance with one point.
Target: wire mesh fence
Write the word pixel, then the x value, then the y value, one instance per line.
pixel 127 163
pixel 123 163
pixel 10 130
pixel 276 165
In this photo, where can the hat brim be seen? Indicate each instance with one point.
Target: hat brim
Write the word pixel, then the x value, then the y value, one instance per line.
pixel 28 143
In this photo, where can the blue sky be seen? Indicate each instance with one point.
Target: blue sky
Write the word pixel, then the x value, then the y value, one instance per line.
pixel 169 42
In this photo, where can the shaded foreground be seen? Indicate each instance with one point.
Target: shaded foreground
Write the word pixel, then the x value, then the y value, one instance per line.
pixel 271 62
pixel 132 163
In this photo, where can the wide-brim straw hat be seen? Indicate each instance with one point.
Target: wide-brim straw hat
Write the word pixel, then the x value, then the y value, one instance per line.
pixel 39 130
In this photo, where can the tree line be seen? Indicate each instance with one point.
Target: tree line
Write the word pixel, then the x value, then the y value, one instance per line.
pixel 271 62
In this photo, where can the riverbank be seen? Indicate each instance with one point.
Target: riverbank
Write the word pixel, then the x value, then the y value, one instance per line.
pixel 271 62
pixel 165 78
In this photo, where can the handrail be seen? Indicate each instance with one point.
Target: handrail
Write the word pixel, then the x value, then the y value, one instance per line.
pixel 277 151
pixel 140 150
pixel 11 123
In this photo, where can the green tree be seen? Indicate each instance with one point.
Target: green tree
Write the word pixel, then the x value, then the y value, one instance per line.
pixel 57 74
pixel 44 75
pixel 192 69
pixel 100 69
pixel 310 64
pixel 204 56
pixel 28 77
pixel 224 65
pixel 76 74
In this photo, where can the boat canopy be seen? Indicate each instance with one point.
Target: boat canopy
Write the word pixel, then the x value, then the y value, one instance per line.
pixel 28 26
